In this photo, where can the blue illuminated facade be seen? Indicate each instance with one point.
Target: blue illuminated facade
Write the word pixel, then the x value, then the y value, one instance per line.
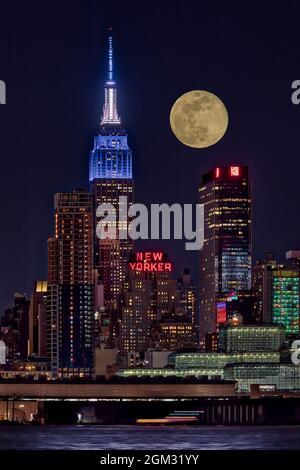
pixel 110 175
pixel 111 158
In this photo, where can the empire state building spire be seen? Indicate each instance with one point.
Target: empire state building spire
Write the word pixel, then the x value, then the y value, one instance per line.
pixel 110 113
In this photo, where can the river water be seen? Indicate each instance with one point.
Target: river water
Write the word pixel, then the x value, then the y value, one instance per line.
pixel 85 437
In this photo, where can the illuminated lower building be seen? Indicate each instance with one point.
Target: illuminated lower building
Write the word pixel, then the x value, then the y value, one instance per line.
pixel 70 303
pixel 220 360
pixel 251 338
pixel 204 365
pixel 275 376
pixel 225 259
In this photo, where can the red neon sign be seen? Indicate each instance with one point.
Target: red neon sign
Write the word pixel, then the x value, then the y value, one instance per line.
pixel 218 172
pixel 234 171
pixel 150 262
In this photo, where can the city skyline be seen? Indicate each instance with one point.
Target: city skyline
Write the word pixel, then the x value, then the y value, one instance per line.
pixel 251 142
pixel 96 296
pixel 150 243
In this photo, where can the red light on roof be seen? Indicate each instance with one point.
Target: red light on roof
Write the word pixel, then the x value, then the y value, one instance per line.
pixel 234 171
pixel 218 172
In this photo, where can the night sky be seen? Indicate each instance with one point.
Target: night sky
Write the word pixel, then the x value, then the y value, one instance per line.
pixel 53 60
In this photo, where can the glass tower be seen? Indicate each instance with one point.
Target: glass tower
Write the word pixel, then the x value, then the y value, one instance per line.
pixel 225 259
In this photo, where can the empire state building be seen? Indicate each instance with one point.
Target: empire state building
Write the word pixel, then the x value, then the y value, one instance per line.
pixel 110 176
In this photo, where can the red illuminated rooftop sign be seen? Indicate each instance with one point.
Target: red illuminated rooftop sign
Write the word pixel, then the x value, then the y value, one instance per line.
pixel 150 261
pixel 234 171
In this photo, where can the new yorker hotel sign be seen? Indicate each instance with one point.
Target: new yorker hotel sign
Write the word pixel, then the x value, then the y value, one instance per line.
pixel 150 261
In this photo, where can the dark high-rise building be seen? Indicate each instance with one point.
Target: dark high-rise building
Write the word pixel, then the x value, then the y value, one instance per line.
pixel 110 175
pixel 15 328
pixel 225 259
pixel 186 297
pixel 38 320
pixel 70 304
pixel 262 289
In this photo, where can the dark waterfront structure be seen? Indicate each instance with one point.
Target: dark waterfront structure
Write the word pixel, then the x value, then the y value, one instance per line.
pixel 124 403
pixel 110 175
pixel 225 259
pixel 70 309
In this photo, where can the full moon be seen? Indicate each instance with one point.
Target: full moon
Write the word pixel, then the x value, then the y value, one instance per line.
pixel 199 119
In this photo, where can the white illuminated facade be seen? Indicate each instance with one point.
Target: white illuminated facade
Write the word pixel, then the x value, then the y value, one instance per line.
pixel 110 112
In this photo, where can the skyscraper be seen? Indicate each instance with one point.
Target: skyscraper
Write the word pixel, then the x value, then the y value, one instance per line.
pixel 110 175
pixel 148 298
pixel 157 311
pixel 70 304
pixel 225 259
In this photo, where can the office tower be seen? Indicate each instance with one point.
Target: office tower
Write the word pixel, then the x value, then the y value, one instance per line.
pixel 285 299
pixel 110 176
pixel 70 305
pixel 149 297
pixel 262 287
pixel 179 328
pixel 276 293
pixel 225 259
pixel 38 320
pixel 15 328
pixel 186 298
pixel 157 311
